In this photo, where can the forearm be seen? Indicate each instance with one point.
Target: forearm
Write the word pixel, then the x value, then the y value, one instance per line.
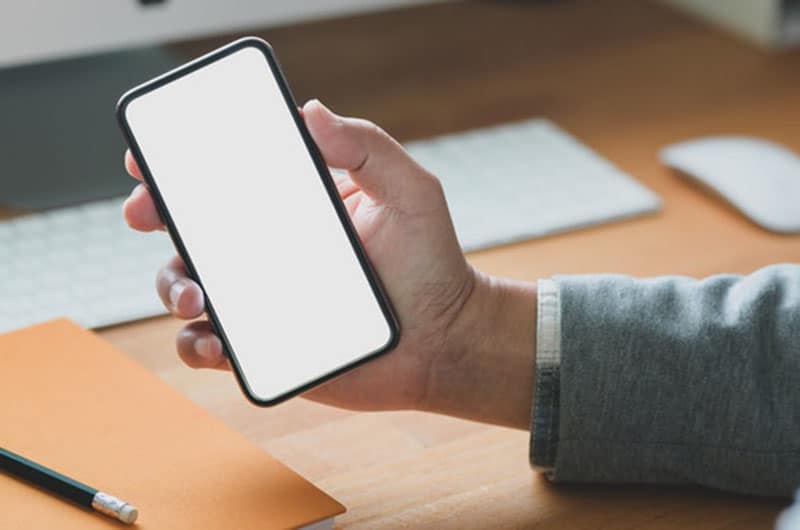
pixel 486 370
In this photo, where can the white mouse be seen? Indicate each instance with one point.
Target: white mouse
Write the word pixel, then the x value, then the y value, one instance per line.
pixel 760 178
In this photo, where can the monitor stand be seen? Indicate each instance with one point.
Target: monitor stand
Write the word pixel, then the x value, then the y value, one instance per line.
pixel 59 140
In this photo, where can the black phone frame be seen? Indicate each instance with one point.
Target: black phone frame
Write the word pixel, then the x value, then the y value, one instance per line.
pixel 325 176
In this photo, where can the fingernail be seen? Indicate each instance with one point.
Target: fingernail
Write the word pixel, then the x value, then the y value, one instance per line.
pixel 175 291
pixel 204 347
pixel 138 190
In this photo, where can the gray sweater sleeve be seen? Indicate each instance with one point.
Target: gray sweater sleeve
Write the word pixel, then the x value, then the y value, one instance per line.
pixel 672 380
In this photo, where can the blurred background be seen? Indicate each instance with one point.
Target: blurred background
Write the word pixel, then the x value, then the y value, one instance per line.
pixel 414 70
pixel 597 89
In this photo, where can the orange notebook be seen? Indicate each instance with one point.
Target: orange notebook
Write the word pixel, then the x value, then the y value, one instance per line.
pixel 70 401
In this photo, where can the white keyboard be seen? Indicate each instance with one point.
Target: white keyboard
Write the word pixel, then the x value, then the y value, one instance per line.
pixel 527 179
pixel 503 184
pixel 81 262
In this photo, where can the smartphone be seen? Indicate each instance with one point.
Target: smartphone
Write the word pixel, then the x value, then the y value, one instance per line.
pixel 253 211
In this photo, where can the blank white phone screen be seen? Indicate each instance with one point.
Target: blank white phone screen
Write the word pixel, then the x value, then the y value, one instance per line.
pixel 253 214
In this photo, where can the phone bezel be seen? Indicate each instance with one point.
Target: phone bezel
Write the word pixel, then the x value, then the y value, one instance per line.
pixel 325 177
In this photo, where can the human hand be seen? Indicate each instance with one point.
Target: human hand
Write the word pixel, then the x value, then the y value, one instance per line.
pixel 400 213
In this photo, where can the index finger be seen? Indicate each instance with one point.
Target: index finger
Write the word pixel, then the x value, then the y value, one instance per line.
pixel 131 166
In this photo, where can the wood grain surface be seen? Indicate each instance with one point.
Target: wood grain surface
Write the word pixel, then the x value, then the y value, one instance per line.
pixel 625 76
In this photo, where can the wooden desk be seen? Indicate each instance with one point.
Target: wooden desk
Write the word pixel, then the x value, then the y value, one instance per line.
pixel 625 76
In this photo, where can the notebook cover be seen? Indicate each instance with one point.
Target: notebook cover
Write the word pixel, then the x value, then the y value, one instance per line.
pixel 70 401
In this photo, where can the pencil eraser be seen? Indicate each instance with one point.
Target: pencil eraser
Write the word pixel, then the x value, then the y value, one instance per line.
pixel 128 514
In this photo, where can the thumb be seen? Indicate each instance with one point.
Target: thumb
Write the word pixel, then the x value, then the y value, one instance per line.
pixel 376 162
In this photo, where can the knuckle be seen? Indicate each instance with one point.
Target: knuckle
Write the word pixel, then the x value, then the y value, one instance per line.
pixel 434 183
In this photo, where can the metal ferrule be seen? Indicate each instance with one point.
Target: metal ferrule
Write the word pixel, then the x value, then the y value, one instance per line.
pixel 113 507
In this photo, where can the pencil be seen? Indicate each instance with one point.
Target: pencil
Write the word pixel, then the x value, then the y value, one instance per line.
pixel 66 488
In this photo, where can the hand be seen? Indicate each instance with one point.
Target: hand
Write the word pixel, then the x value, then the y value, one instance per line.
pixel 401 216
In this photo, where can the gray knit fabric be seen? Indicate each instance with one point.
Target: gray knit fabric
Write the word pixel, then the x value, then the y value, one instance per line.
pixel 676 380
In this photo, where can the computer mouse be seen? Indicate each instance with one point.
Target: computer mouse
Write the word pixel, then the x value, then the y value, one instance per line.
pixel 758 177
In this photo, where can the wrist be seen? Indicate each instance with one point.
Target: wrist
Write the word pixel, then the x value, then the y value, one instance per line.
pixel 485 371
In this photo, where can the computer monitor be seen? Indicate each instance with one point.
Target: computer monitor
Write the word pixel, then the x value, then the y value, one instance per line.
pixel 64 64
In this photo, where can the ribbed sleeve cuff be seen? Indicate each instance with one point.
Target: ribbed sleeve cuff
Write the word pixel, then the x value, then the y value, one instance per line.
pixel 545 412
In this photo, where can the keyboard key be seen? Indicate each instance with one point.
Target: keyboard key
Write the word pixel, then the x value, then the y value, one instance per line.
pixel 81 262
pixel 527 179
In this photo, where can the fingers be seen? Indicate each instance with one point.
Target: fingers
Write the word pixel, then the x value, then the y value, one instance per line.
pixel 179 294
pixel 140 211
pixel 199 347
pixel 376 162
pixel 196 343
pixel 131 166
